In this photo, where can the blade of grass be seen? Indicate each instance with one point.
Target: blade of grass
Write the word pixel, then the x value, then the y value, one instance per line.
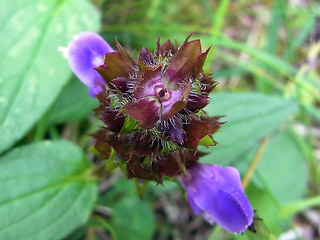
pixel 278 11
pixel 298 206
pixel 252 67
pixel 207 8
pixel 247 177
pixel 219 16
pixel 300 37
pixel 278 64
pixel 281 66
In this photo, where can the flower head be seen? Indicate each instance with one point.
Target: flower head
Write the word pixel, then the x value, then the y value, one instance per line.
pixel 217 192
pixel 152 110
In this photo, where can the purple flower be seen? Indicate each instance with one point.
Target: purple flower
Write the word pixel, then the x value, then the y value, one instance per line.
pixel 152 106
pixel 152 110
pixel 217 192
pixel 86 52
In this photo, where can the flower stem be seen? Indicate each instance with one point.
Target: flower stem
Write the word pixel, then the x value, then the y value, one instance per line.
pixel 247 177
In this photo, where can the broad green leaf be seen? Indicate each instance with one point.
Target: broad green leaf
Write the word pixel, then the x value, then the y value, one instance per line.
pixel 274 174
pixel 46 191
pixel 267 208
pixel 32 70
pixel 73 104
pixel 250 117
pixel 132 218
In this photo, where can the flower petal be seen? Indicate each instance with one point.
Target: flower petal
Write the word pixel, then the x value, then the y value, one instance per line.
pixel 196 210
pixel 218 192
pixel 85 53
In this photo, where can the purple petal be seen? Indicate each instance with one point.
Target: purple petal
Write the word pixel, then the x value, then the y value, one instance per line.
pixel 86 52
pixel 193 205
pixel 217 191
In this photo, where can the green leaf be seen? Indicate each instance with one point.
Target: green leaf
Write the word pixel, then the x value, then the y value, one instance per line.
pixel 274 172
pixel 132 218
pixel 46 191
pixel 73 104
pixel 267 208
pixel 32 70
pixel 250 117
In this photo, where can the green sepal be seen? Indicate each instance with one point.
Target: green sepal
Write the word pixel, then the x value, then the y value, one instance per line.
pixel 130 125
pixel 111 163
pixel 207 141
pixel 169 146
